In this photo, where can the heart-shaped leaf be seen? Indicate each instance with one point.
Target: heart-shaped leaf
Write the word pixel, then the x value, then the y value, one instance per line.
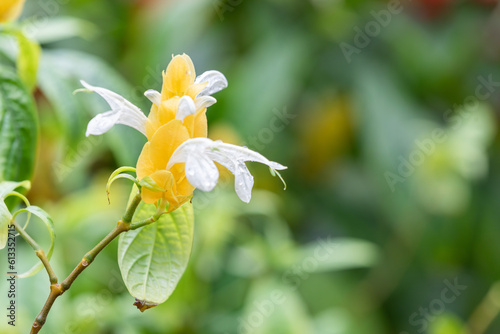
pixel 153 259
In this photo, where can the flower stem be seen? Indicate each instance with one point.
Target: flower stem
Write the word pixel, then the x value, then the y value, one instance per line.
pixel 127 217
pixel 142 223
pixel 57 290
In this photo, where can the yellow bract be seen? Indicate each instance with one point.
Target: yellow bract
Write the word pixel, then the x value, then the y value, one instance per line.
pixel 165 133
pixel 10 9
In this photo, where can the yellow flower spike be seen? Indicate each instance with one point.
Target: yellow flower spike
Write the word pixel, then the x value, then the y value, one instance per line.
pixel 165 180
pixel 180 85
pixel 165 141
pixel 178 157
pixel 161 115
pixel 153 163
pixel 180 74
pixel 10 10
pixel 195 89
pixel 197 124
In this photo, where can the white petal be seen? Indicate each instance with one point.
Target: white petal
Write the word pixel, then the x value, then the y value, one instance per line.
pixel 186 107
pixel 102 123
pixel 204 102
pixel 243 182
pixel 198 154
pixel 190 146
pixel 153 96
pixel 245 154
pixel 216 82
pixel 122 112
pixel 201 172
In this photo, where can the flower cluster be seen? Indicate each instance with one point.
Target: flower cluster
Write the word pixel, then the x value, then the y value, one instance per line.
pixel 178 157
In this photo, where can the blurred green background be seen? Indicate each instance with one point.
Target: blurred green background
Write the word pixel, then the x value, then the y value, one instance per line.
pixel 385 114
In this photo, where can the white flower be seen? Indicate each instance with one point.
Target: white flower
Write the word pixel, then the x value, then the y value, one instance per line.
pixel 185 108
pixel 199 155
pixel 122 112
pixel 216 82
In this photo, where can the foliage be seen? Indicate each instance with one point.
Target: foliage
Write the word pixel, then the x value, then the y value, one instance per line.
pixel 395 212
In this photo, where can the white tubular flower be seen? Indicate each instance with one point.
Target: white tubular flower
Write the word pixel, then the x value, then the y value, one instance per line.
pixel 204 102
pixel 199 155
pixel 122 112
pixel 186 107
pixel 216 82
pixel 153 96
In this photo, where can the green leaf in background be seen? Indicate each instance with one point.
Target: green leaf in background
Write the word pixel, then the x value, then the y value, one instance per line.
pixel 447 323
pixel 18 128
pixel 337 254
pixel 45 218
pixel 153 259
pixel 272 307
pixel 59 28
pixel 27 60
pixel 28 56
pixel 59 76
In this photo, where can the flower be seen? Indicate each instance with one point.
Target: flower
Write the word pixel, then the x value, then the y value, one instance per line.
pixel 184 96
pixel 10 10
pixel 122 112
pixel 178 157
pixel 199 155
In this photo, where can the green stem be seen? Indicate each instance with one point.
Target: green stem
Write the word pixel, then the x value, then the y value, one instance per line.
pixel 143 223
pixel 57 290
pixel 91 255
pixel 129 214
pixel 38 251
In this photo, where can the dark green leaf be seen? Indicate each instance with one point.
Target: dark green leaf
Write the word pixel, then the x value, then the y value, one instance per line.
pixel 18 128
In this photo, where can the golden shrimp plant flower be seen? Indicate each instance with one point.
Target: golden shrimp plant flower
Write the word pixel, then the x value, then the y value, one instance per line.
pixel 178 156
pixel 10 10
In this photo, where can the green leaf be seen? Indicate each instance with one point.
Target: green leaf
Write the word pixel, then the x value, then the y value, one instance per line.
pixel 279 307
pixel 27 60
pixel 59 76
pixel 18 128
pixel 152 259
pixel 28 56
pixel 118 174
pixel 59 28
pixel 8 187
pixel 5 218
pixel 45 218
pixel 447 323
pixel 335 254
pixel 150 184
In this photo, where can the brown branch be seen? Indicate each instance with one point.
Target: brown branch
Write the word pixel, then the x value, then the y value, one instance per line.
pixel 57 290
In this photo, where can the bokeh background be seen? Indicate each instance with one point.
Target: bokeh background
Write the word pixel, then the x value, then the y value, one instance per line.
pixel 386 114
